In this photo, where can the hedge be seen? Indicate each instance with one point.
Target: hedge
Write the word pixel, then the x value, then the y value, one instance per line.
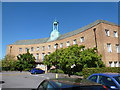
pixel 88 71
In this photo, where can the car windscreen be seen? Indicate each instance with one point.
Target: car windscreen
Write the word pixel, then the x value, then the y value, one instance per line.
pixel 117 78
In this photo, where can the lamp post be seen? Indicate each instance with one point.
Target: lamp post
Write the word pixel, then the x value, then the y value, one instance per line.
pixel 56 45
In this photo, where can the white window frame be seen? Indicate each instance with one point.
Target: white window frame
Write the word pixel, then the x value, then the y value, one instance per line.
pixel 107 32
pixel 20 49
pixel 43 54
pixel 115 33
pixel 32 49
pixel 117 48
pixel 115 63
pixel 38 48
pixel 74 41
pixel 82 39
pixel 49 47
pixel 26 49
pixel 109 47
pixel 68 43
pixel 49 53
pixel 43 48
pixel 37 56
pixel 61 45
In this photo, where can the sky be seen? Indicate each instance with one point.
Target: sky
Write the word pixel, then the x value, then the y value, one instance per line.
pixel 33 20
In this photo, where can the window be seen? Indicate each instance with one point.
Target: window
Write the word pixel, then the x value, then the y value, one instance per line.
pixel 55 46
pixel 109 47
pixel 20 49
pixel 37 48
pixel 75 41
pixel 106 81
pixel 82 39
pixel 94 78
pixel 37 56
pixel 107 32
pixel 43 54
pixel 48 53
pixel 115 64
pixel 115 34
pixel 61 45
pixel 43 48
pixel 110 64
pixel 117 48
pixel 32 49
pixel 26 49
pixel 119 63
pixel 49 46
pixel 68 43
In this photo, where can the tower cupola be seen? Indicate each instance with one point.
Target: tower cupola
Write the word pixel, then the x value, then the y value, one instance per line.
pixel 55 33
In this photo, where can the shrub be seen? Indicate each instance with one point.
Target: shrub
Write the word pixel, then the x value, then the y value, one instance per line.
pixel 88 71
pixel 56 71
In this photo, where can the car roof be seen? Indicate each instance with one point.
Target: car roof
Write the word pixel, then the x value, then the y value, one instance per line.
pixel 62 82
pixel 108 74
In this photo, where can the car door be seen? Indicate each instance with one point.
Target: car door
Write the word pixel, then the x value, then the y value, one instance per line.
pixel 107 81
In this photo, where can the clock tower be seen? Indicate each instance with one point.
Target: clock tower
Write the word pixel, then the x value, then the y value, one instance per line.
pixel 55 33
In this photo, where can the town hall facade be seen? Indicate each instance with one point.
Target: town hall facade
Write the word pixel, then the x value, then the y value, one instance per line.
pixel 103 35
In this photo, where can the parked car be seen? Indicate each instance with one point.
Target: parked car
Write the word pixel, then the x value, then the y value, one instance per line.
pixel 110 80
pixel 37 71
pixel 70 83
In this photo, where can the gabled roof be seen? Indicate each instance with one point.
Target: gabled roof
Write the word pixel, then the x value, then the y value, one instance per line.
pixel 69 34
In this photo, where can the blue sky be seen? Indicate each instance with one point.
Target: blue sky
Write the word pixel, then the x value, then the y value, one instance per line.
pixel 33 20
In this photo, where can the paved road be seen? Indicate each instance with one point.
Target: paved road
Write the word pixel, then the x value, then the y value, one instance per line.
pixel 23 79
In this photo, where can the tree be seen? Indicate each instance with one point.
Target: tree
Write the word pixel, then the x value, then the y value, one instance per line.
pixel 25 61
pixel 9 62
pixel 73 59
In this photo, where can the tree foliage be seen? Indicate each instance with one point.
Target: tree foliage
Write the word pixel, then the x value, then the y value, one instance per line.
pixel 9 62
pixel 73 59
pixel 25 61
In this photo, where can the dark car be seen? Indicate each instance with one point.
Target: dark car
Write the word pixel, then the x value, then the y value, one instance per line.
pixel 70 83
pixel 110 80
pixel 37 71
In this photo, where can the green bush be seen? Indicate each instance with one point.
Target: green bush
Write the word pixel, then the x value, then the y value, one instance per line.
pixel 57 71
pixel 88 71
pixel 78 73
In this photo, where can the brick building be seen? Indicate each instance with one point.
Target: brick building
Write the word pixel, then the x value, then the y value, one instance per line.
pixel 101 34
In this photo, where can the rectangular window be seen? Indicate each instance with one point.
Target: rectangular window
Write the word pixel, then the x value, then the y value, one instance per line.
pixel 107 32
pixel 48 53
pixel 115 34
pixel 37 56
pixel 109 47
pixel 119 64
pixel 68 43
pixel 37 48
pixel 82 39
pixel 20 49
pixel 75 41
pixel 32 49
pixel 43 48
pixel 61 45
pixel 43 54
pixel 49 46
pixel 117 48
pixel 26 49
pixel 110 64
pixel 115 64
